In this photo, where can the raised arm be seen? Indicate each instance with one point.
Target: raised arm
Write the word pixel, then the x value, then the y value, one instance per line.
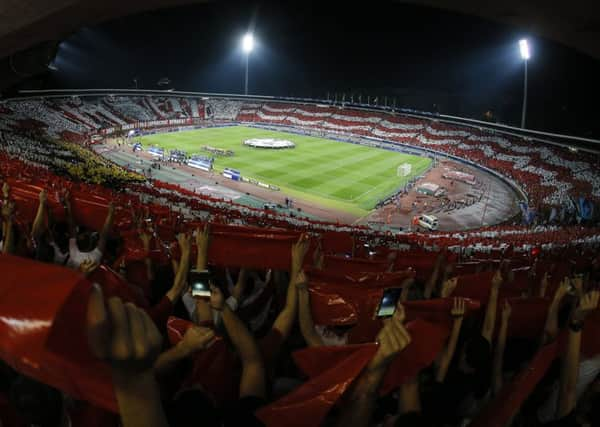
pixel 252 382
pixel 7 214
pixel 146 238
pixel 38 222
pixel 5 191
pixel 128 340
pixel 108 223
pixel 448 287
pixel 195 339
pixel 307 326
pixel 358 408
pixel 551 326
pixel 183 267
pixel 433 278
pixel 570 362
pixel 240 286
pixel 498 361
pixel 458 313
pixel 489 321
pixel 543 285
pixel 285 320
pixel 202 242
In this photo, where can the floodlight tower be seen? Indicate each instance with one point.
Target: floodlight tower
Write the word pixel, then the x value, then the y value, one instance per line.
pixel 247 46
pixel 525 55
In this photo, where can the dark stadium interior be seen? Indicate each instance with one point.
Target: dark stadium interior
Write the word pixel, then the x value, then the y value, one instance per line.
pixel 379 232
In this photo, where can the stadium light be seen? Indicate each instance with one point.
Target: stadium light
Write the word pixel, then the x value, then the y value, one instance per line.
pixel 247 46
pixel 248 43
pixel 525 56
pixel 524 48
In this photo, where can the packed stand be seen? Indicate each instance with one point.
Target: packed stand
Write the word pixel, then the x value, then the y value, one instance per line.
pixel 550 176
pixel 118 309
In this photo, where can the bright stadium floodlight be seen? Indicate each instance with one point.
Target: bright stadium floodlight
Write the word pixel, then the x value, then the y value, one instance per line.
pixel 525 56
pixel 247 46
pixel 524 48
pixel 248 43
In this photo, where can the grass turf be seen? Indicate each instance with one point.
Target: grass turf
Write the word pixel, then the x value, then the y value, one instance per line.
pixel 339 175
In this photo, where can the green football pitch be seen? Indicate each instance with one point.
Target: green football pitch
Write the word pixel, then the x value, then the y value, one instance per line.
pixel 339 175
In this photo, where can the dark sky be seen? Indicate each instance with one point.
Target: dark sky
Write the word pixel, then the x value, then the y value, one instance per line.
pixel 427 59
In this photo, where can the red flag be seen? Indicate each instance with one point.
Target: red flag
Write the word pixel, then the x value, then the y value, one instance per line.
pixel 436 310
pixel 343 303
pixel 528 317
pixel 235 249
pixel 42 329
pixel 354 265
pixel 507 403
pixel 307 405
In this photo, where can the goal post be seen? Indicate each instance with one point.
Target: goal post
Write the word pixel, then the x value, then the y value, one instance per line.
pixel 404 169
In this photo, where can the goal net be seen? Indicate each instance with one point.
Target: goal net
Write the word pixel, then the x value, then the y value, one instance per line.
pixel 404 169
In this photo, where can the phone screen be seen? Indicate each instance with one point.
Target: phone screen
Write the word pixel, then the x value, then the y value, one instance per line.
pixel 199 282
pixel 387 305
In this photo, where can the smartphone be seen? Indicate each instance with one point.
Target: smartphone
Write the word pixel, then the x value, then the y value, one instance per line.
pixel 387 305
pixel 199 282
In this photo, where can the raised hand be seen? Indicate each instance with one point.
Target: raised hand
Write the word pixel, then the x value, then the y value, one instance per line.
pixel 562 290
pixel 202 238
pixel 301 281
pixel 497 279
pixel 240 285
pixel 88 266
pixel 43 196
pixel 145 238
pixel 197 338
pixel 121 334
pixel 392 339
pixel 577 283
pixel 299 250
pixel 128 340
pixel 587 304
pixel 448 287
pixel 458 307
pixel 185 242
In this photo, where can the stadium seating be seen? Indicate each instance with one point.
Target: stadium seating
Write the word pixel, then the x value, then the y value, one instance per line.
pixel 549 175
pixel 43 327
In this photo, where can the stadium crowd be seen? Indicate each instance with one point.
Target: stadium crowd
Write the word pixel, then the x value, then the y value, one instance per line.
pixel 99 324
pixel 288 335
pixel 551 176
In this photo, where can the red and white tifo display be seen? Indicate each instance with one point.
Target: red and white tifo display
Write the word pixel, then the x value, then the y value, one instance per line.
pixel 269 143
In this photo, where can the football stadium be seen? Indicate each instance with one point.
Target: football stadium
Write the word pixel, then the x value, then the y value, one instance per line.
pixel 336 217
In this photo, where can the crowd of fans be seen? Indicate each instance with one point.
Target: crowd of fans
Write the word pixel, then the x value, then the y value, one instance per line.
pixel 64 158
pixel 551 176
pixel 289 333
pixel 491 327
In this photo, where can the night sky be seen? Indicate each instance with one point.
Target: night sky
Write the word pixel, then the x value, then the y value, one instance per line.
pixel 428 59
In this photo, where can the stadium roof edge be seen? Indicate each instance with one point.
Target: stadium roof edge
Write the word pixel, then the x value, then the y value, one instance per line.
pixel 566 141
